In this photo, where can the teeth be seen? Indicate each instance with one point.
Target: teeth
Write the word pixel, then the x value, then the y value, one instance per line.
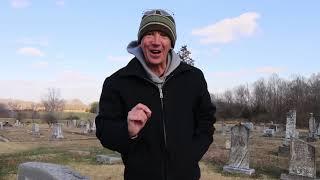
pixel 155 51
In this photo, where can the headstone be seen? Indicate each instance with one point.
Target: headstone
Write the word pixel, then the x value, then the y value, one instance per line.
pixel 312 129
pixel 57 131
pixel 108 159
pixel 228 144
pixel 86 128
pixel 93 126
pixel 1 125
pixel 239 153
pixel 35 129
pixel 290 127
pixel 268 132
pixel 302 160
pixel 17 124
pixel 38 170
pixel 249 125
pixel 74 122
pixel 274 127
pixel 284 149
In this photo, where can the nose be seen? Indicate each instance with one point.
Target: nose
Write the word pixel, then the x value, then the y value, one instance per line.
pixel 156 38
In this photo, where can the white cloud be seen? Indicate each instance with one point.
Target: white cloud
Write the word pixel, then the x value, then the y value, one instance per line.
pixel 60 2
pixel 30 51
pixel 40 64
pixel 38 41
pixel 120 58
pixel 229 29
pixel 20 3
pixel 269 70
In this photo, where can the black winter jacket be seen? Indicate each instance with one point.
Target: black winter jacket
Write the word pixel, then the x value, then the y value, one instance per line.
pixel 178 132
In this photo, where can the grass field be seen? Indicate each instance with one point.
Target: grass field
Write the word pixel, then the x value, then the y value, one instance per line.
pixel 78 151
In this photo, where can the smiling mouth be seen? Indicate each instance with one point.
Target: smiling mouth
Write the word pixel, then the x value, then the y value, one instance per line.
pixel 155 51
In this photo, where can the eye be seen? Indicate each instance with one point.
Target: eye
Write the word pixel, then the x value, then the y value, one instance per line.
pixel 163 34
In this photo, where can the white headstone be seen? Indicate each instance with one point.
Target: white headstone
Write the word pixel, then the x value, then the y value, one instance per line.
pixel 290 127
pixel 239 154
pixel 87 128
pixel 17 124
pixel 35 129
pixel 57 131
pixel 228 144
pixel 93 127
pixel 1 125
pixel 74 122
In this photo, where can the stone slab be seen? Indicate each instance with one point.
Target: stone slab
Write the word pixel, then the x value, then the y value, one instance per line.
pixel 231 169
pixel 108 159
pixel 47 171
pixel 295 177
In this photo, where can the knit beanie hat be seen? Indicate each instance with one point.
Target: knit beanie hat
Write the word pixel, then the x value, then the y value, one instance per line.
pixel 158 20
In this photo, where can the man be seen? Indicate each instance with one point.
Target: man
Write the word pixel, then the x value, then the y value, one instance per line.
pixel 156 111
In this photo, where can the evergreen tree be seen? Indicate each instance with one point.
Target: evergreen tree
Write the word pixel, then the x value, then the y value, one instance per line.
pixel 184 54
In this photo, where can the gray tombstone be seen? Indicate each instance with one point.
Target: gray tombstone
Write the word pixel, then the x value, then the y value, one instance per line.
pixel 86 128
pixel 228 144
pixel 284 149
pixel 1 125
pixel 74 123
pixel 35 129
pixel 47 171
pixel 93 126
pixel 108 159
pixel 302 160
pixel 249 125
pixel 312 129
pixel 239 153
pixel 17 124
pixel 57 131
pixel 290 127
pixel 268 132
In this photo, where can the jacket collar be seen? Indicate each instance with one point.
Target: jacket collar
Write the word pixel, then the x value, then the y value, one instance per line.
pixel 134 68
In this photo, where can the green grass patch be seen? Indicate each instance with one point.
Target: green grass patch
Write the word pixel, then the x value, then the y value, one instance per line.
pixel 9 162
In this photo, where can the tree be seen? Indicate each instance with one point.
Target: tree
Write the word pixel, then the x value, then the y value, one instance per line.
pixel 94 107
pixel 184 54
pixel 52 101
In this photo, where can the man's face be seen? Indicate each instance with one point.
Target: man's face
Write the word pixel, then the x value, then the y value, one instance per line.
pixel 155 46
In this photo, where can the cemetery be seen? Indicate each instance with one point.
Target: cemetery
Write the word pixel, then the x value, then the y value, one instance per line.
pixel 241 150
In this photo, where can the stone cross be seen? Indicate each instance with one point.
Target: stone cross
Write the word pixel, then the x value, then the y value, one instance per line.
pixel 1 125
pixel 302 160
pixel 57 131
pixel 239 153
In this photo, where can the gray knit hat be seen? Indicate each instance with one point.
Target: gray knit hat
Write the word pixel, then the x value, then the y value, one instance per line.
pixel 159 20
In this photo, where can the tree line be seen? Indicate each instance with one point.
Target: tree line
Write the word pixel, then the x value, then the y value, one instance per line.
pixel 270 99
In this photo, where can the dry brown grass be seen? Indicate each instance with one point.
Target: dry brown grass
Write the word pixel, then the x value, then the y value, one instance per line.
pixel 263 154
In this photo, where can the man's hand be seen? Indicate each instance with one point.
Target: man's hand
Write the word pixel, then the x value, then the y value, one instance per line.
pixel 137 118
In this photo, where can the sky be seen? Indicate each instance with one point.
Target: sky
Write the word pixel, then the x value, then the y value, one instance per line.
pixel 73 45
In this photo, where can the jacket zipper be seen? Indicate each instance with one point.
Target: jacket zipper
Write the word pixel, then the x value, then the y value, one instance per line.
pixel 160 86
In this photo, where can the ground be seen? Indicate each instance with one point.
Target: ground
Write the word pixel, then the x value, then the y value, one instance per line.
pixel 78 151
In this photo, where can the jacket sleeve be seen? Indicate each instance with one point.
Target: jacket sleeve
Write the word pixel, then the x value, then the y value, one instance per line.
pixel 204 118
pixel 111 121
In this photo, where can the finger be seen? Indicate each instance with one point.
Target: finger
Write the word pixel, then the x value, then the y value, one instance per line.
pixel 145 108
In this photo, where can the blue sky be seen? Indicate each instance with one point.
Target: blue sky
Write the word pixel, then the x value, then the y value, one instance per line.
pixel 73 45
